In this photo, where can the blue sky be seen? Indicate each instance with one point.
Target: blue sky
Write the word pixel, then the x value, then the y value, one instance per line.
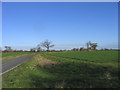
pixel 68 25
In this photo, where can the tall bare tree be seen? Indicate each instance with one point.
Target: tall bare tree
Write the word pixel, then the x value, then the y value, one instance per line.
pixel 87 44
pixel 94 45
pixel 8 48
pixel 47 44
pixel 38 48
pixel 91 45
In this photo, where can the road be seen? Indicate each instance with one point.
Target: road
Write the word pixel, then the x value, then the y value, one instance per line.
pixel 8 65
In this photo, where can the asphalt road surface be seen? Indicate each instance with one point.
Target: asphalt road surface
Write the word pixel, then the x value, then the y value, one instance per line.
pixel 8 65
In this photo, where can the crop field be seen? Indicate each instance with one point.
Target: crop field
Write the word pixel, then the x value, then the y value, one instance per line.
pixel 90 56
pixel 86 69
pixel 97 57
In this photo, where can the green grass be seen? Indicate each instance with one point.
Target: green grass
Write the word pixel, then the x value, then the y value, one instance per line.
pixel 11 55
pixel 14 53
pixel 93 69
pixel 91 56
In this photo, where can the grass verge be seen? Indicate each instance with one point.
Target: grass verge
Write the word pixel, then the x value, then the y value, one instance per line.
pixel 54 72
pixel 11 55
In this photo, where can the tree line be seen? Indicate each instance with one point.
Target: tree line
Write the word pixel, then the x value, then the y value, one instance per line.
pixel 48 44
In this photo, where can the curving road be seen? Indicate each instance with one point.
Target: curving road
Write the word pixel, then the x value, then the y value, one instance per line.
pixel 8 65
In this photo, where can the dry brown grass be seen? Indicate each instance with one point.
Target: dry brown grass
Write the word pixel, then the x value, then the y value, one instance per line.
pixel 43 62
pixel 60 85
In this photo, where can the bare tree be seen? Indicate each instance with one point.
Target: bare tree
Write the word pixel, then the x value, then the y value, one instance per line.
pixel 38 48
pixel 91 45
pixel 47 44
pixel 94 45
pixel 88 45
pixel 32 49
pixel 74 49
pixel 8 48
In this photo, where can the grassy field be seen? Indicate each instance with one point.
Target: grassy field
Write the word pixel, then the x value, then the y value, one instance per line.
pixel 94 69
pixel 101 57
pixel 11 55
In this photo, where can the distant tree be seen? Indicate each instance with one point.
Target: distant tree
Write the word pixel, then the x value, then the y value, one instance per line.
pixel 106 49
pixel 0 49
pixel 38 48
pixel 77 49
pixel 52 50
pixel 8 48
pixel 15 50
pixel 101 49
pixel 32 49
pixel 20 50
pixel 91 45
pixel 47 44
pixel 88 45
pixel 74 49
pixel 81 49
pixel 111 49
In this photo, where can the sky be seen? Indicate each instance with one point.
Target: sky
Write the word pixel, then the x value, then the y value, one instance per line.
pixel 67 24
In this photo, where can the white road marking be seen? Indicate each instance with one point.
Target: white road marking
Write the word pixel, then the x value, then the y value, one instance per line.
pixel 13 67
pixel 10 69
